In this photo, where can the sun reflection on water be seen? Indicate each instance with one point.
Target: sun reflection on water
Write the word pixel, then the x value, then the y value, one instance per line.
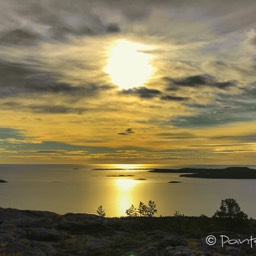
pixel 124 194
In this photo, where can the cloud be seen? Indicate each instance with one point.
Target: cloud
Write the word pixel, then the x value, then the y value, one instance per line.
pixel 56 109
pixel 47 151
pixel 113 28
pixel 179 21
pixel 20 80
pixel 59 152
pixel 44 109
pixel 128 131
pixel 224 85
pixel 239 106
pixel 177 135
pixel 250 90
pixel 142 92
pixel 9 133
pixel 251 38
pixel 242 138
pixel 146 93
pixel 199 81
pixel 173 98
pixel 18 37
pixel 52 20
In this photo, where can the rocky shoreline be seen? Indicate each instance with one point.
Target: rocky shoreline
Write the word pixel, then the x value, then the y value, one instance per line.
pixel 40 233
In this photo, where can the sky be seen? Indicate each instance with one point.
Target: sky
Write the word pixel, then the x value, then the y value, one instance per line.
pixel 168 81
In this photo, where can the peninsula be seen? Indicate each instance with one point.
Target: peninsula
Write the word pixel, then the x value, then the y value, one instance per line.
pixel 226 173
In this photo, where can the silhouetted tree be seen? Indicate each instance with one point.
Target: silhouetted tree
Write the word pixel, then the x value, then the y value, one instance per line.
pixel 230 209
pixel 143 210
pixel 132 211
pixel 151 208
pixel 101 212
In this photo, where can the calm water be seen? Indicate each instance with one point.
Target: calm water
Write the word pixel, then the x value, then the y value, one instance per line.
pixel 66 188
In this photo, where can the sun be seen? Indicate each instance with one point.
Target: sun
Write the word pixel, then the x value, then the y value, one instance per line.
pixel 128 64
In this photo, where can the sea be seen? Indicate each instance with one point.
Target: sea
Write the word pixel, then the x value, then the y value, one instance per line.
pixel 83 188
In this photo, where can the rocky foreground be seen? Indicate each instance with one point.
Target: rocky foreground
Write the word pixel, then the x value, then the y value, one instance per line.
pixel 37 233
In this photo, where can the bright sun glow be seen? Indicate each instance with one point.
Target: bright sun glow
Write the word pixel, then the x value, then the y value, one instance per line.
pixel 128 65
pixel 125 184
pixel 128 167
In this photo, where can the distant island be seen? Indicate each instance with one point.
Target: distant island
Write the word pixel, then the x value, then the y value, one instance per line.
pixel 174 181
pixel 120 175
pixel 226 173
pixel 3 181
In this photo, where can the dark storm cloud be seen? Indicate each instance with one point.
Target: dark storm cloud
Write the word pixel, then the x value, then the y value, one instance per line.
pixel 19 80
pixel 142 92
pixel 128 131
pixel 199 81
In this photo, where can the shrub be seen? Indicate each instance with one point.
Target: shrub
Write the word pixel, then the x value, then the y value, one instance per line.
pixel 178 214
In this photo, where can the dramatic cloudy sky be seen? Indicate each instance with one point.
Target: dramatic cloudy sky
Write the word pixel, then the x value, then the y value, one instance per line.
pixel 59 103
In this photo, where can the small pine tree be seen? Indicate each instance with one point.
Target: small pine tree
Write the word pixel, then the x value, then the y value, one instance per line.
pixel 101 212
pixel 143 210
pixel 151 208
pixel 132 211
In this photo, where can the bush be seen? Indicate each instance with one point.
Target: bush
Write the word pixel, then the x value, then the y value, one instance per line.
pixel 178 214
